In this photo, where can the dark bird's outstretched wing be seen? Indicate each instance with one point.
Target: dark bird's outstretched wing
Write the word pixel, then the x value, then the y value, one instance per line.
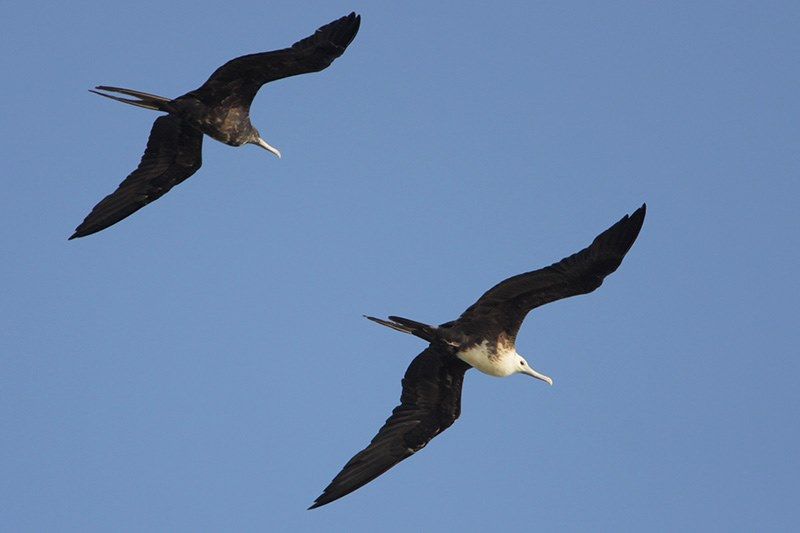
pixel 173 153
pixel 243 77
pixel 507 303
pixel 429 404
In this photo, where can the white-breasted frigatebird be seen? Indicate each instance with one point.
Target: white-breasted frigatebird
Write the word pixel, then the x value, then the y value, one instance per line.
pixel 482 337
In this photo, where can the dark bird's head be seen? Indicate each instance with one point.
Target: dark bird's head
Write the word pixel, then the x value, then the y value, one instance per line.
pixel 256 139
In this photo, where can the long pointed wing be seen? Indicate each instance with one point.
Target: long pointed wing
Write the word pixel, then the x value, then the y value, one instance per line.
pixel 429 404
pixel 509 301
pixel 173 153
pixel 243 77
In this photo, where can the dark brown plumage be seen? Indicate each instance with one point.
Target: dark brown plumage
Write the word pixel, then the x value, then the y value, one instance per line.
pixel 507 303
pixel 429 404
pixel 220 108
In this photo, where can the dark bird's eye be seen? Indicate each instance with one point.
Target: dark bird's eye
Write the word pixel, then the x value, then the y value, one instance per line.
pixel 522 363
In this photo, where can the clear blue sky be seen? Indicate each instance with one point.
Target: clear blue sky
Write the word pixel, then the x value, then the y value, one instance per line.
pixel 204 366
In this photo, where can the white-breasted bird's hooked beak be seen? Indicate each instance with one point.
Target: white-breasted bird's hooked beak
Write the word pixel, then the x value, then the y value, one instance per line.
pixel 263 144
pixel 533 373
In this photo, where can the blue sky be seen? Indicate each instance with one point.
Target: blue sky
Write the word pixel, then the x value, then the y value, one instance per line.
pixel 203 365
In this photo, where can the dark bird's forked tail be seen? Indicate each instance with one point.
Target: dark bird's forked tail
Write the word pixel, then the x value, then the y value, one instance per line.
pixel 145 100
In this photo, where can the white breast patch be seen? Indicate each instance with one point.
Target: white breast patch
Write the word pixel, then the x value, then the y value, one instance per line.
pixel 481 357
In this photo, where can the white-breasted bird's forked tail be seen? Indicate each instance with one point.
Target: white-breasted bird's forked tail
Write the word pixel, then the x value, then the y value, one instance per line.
pixel 405 325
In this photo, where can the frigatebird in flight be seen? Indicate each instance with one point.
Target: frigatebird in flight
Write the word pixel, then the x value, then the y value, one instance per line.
pixel 220 108
pixel 482 337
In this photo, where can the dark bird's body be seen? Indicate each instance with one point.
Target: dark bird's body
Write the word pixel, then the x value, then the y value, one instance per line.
pixel 220 108
pixel 482 337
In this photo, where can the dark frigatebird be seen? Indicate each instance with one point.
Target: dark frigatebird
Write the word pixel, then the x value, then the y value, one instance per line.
pixel 482 337
pixel 220 108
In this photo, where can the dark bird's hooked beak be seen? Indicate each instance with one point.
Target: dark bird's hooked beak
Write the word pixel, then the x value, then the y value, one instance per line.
pixel 263 144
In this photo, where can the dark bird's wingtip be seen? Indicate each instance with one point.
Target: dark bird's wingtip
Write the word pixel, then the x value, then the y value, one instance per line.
pixel 625 232
pixel 343 30
pixel 640 213
pixel 325 499
pixel 79 232
pixel 82 231
pixel 637 216
pixel 636 219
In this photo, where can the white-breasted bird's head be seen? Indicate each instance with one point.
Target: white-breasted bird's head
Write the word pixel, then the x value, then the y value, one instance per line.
pixel 522 367
pixel 501 361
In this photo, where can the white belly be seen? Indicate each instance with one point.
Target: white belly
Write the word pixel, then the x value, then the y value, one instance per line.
pixel 494 364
